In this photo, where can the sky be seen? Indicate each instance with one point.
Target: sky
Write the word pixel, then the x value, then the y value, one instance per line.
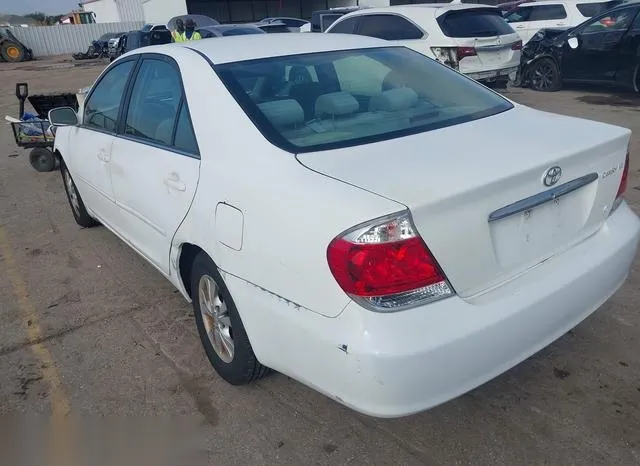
pixel 50 7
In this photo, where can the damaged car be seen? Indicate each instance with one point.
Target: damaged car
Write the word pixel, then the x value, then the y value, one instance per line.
pixel 602 50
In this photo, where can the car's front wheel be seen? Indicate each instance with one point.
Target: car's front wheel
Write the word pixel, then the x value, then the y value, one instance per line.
pixel 219 325
pixel 75 201
pixel 544 75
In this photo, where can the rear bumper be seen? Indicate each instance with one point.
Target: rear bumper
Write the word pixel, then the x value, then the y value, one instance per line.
pixel 391 365
pixel 493 75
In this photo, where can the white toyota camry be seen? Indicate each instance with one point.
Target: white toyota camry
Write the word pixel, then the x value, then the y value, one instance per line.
pixel 351 213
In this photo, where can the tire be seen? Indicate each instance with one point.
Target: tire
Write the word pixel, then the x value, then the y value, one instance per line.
pixel 636 79
pixel 221 331
pixel 544 76
pixel 75 201
pixel 42 160
pixel 12 52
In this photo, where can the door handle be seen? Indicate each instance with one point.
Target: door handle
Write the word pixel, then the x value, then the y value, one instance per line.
pixel 174 182
pixel 520 27
pixel 103 156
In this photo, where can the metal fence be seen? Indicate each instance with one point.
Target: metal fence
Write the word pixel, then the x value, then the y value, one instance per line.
pixel 63 39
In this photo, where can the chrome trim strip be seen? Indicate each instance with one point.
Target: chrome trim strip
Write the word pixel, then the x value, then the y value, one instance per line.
pixel 543 197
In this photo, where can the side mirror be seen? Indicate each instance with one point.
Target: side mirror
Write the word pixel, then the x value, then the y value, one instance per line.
pixel 573 42
pixel 63 116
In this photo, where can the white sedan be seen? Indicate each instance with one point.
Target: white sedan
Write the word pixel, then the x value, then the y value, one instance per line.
pixel 384 237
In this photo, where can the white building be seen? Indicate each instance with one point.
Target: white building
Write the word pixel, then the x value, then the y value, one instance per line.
pixel 115 11
pixel 161 11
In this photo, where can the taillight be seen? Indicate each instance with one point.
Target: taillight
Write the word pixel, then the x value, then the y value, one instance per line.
pixel 385 265
pixel 462 52
pixel 516 45
pixel 623 184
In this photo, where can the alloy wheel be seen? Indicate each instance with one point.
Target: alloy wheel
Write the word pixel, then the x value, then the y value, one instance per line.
pixel 215 317
pixel 71 190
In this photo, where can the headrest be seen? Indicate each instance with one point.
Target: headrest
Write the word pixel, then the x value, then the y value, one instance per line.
pixel 336 104
pixel 282 112
pixel 393 100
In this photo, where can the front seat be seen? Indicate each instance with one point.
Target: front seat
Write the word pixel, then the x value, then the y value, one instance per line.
pixel 304 90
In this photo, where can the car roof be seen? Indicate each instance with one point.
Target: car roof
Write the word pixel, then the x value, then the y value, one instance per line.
pixel 249 47
pixel 410 11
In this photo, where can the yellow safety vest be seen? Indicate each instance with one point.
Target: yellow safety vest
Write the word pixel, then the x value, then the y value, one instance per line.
pixel 183 37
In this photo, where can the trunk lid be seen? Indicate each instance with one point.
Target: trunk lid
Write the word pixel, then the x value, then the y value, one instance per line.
pixel 466 185
pixel 492 53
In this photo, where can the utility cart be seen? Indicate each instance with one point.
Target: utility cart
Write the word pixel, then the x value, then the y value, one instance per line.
pixel 33 131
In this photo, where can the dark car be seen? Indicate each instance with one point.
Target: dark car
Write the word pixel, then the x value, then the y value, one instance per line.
pixel 605 49
pixel 293 24
pixel 136 39
pixel 322 19
pixel 224 30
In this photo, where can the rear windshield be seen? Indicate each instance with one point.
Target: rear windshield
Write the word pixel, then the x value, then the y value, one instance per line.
pixel 474 23
pixel 328 100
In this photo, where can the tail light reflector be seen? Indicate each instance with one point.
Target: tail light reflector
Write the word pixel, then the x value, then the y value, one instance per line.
pixel 623 184
pixel 516 45
pixel 385 266
pixel 462 52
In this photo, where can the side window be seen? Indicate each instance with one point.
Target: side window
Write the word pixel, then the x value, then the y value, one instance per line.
pixel 154 103
pixel 616 21
pixel 361 75
pixel 347 26
pixel 388 27
pixel 547 12
pixel 518 15
pixel 592 9
pixel 102 108
pixel 636 24
pixel 185 137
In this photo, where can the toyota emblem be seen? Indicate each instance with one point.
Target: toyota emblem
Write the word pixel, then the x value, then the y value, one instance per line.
pixel 552 176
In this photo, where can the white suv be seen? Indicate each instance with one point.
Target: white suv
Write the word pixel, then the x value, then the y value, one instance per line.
pixel 528 18
pixel 473 39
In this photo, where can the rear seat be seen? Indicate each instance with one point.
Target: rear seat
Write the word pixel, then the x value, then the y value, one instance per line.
pixel 283 113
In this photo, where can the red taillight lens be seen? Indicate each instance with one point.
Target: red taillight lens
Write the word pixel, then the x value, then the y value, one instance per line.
pixel 462 52
pixel 387 265
pixel 623 180
pixel 516 45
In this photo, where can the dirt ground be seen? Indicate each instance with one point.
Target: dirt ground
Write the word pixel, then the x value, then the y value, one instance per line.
pixel 90 330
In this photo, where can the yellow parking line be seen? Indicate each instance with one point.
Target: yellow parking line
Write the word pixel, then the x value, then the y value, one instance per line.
pixel 60 407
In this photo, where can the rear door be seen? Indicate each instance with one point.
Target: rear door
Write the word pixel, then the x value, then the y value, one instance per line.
pixel 155 160
pixel 527 20
pixel 484 39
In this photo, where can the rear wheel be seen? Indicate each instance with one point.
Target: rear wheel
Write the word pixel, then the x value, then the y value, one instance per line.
pixel 12 52
pixel 75 201
pixel 544 75
pixel 219 325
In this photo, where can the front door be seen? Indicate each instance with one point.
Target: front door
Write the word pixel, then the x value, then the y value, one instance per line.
pixel 155 162
pixel 596 56
pixel 89 159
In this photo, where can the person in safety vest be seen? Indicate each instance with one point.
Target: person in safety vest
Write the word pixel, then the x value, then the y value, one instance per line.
pixel 190 32
pixel 177 34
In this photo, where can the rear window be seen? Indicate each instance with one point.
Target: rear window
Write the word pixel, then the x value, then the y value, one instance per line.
pixel 474 23
pixel 328 100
